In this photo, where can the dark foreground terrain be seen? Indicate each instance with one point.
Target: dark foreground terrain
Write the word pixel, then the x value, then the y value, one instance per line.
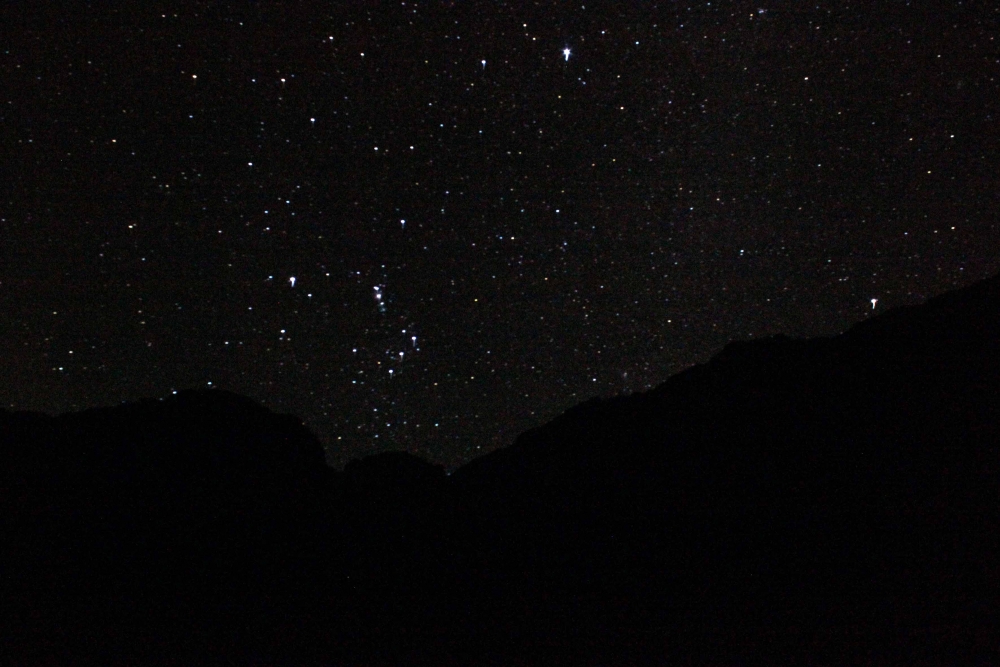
pixel 830 501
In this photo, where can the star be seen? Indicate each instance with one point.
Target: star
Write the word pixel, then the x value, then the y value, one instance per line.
pixel 566 53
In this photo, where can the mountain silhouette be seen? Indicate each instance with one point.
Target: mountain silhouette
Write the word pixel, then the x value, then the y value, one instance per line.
pixel 823 501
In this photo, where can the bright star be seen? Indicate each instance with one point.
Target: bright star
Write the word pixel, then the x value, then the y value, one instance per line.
pixel 566 53
pixel 291 281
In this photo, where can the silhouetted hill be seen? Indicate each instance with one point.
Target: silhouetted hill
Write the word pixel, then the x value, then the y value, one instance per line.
pixel 204 528
pixel 155 514
pixel 846 485
pixel 830 501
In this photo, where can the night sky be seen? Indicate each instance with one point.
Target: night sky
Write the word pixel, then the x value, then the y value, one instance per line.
pixel 432 225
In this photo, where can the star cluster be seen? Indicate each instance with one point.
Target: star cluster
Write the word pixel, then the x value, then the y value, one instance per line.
pixel 432 225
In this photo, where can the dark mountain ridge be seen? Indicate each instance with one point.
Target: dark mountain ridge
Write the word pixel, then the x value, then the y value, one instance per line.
pixel 822 500
pixel 837 481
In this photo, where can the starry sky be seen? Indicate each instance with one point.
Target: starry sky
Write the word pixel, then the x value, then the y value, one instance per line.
pixel 433 225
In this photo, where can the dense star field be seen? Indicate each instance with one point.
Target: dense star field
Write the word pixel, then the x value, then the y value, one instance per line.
pixel 430 226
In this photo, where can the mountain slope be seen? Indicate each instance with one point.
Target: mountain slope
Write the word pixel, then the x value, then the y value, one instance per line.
pixel 912 377
pixel 827 501
pixel 844 482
